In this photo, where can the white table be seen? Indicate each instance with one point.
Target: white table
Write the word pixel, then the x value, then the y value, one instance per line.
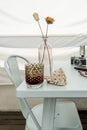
pixel 76 87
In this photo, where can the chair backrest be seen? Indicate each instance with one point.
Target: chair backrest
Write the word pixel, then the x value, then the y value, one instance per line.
pixel 12 68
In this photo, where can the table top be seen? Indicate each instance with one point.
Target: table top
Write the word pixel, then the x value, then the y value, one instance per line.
pixel 76 86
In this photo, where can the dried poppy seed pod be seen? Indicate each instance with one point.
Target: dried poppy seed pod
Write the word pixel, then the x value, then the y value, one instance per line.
pixel 36 16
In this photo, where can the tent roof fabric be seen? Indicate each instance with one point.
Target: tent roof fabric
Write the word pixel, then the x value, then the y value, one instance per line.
pixel 16 16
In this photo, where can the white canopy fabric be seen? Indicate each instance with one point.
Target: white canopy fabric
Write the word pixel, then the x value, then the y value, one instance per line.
pixel 16 16
pixel 70 19
pixel 35 41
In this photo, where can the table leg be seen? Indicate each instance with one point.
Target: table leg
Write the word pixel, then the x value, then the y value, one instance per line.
pixel 48 113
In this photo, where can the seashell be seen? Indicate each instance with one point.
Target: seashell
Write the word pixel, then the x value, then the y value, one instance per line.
pixel 58 77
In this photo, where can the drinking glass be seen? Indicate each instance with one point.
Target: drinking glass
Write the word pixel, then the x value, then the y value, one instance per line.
pixel 34 75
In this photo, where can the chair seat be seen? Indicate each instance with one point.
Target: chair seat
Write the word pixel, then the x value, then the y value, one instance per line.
pixel 66 117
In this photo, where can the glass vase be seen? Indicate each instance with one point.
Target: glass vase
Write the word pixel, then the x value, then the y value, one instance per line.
pixel 45 57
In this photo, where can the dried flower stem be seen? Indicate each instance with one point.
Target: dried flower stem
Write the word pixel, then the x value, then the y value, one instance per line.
pixel 48 49
pixel 41 30
pixel 45 41
pixel 47 31
pixel 49 58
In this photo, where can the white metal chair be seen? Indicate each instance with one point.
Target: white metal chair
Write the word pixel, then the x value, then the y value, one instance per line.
pixel 66 115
